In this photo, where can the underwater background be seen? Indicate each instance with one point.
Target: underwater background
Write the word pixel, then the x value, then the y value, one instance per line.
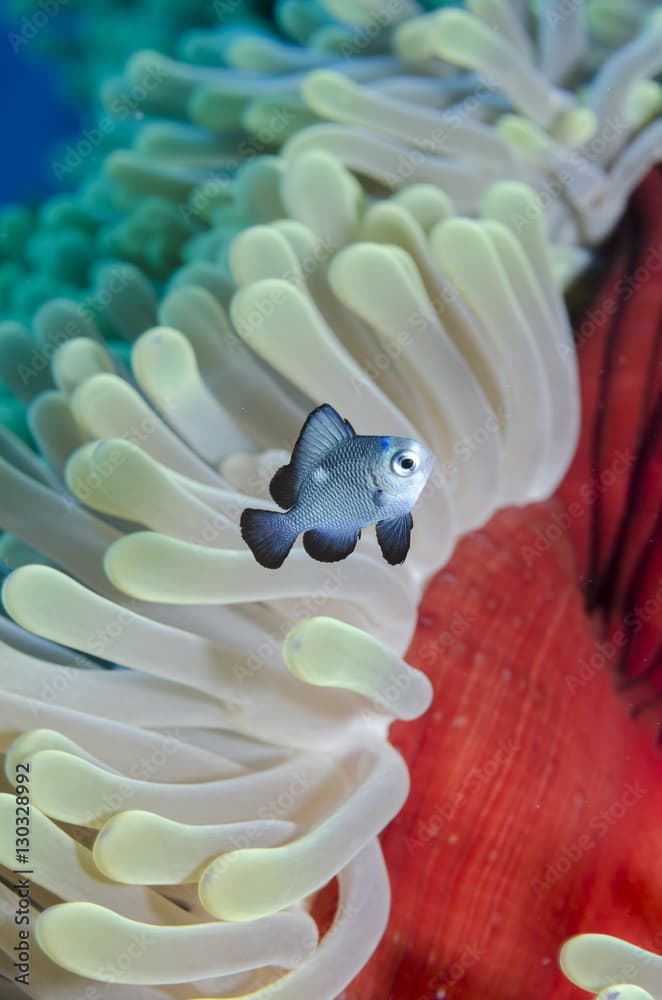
pixel 35 115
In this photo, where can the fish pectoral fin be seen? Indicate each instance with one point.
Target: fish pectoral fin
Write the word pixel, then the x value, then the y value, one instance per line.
pixel 394 537
pixel 330 544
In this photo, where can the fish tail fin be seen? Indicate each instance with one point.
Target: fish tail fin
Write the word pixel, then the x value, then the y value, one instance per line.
pixel 268 535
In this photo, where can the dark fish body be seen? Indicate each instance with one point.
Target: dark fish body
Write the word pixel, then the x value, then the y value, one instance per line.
pixel 336 483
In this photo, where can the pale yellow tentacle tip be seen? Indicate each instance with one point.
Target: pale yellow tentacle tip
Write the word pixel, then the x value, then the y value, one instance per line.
pixel 595 961
pixel 329 653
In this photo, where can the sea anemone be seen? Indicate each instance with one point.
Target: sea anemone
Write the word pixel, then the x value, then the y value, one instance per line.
pixel 456 99
pixel 564 101
pixel 90 42
pixel 534 810
pixel 597 961
pixel 209 706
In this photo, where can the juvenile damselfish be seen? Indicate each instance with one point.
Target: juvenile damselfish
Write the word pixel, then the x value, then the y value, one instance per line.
pixel 336 483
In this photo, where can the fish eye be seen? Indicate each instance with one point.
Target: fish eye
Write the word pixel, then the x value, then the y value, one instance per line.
pixel 404 463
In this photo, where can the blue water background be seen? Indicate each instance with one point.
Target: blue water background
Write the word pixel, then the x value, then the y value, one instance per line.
pixel 34 115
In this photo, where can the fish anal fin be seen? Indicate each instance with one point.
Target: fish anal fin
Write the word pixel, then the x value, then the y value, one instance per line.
pixel 394 537
pixel 330 544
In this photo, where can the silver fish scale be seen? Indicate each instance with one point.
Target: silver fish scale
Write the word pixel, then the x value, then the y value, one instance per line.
pixel 339 492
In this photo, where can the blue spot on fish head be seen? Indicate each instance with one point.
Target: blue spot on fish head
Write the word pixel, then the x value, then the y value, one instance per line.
pixel 384 443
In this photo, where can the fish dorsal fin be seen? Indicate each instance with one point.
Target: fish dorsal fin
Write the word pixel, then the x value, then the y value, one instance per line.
pixel 323 431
